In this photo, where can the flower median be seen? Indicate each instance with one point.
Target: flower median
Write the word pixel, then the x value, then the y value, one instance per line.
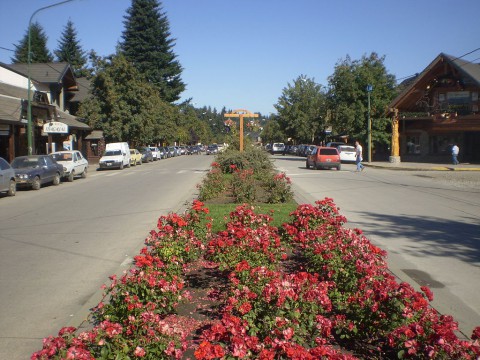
pixel 339 302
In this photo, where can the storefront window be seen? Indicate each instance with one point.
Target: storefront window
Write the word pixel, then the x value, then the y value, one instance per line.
pixel 413 144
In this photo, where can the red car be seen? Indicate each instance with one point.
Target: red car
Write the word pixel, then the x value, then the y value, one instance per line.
pixel 324 158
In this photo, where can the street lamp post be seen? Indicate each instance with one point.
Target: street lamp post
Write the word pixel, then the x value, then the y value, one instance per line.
pixel 369 90
pixel 29 61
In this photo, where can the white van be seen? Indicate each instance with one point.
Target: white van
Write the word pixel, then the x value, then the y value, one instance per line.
pixel 117 155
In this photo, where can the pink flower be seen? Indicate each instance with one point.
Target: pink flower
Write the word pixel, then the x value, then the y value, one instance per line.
pixel 139 352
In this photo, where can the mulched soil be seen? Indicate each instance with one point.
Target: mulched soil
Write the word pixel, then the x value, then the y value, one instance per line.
pixel 208 285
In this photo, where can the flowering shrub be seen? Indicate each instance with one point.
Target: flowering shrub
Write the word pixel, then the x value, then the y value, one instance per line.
pixel 346 298
pixel 213 185
pixel 248 237
pixel 279 189
pixel 369 304
pixel 243 186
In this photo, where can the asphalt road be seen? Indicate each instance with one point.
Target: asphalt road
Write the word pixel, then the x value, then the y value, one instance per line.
pixel 58 245
pixel 429 224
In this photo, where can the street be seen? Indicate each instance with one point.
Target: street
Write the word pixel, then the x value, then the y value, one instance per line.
pixel 60 244
pixel 428 222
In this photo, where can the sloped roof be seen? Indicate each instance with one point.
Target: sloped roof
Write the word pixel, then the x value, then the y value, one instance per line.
pixel 83 90
pixel 44 72
pixel 10 109
pixel 15 91
pixel 71 121
pixel 95 135
pixel 415 86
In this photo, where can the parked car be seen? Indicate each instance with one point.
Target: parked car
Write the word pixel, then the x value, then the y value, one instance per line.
pixel 162 153
pixel 73 162
pixel 347 153
pixel 278 148
pixel 171 151
pixel 147 155
pixel 112 159
pixel 155 153
pixel 8 183
pixel 125 151
pixel 35 170
pixel 212 149
pixel 135 157
pixel 324 158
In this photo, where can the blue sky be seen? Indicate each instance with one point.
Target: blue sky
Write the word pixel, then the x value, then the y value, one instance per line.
pixel 243 53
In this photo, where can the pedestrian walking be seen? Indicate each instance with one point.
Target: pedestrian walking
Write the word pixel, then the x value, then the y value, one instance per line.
pixel 358 156
pixel 455 151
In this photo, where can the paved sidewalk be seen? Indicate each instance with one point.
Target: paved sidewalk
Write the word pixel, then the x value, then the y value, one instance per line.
pixel 422 166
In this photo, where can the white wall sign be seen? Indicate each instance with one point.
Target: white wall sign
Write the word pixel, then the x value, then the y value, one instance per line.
pixel 55 127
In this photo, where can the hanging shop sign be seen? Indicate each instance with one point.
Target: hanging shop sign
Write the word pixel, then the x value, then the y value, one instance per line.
pixel 55 127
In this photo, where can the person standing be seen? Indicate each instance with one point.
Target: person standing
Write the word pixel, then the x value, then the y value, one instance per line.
pixel 455 151
pixel 358 156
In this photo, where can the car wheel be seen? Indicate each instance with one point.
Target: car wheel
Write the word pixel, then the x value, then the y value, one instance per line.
pixel 339 167
pixel 307 165
pixel 71 176
pixel 121 166
pixel 140 162
pixel 56 179
pixel 36 183
pixel 12 188
pixel 84 173
pixel 318 167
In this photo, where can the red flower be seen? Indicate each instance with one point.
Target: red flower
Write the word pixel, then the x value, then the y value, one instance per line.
pixel 208 351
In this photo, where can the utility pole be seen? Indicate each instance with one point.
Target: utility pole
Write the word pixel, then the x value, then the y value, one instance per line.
pixel 369 90
pixel 29 61
pixel 241 113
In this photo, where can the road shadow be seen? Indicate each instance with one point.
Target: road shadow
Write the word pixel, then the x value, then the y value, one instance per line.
pixel 438 237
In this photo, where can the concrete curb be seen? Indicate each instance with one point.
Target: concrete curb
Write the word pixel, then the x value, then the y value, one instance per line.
pixel 411 168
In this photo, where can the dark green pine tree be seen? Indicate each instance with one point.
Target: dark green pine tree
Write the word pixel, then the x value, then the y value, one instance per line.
pixel 38 43
pixel 70 51
pixel 147 43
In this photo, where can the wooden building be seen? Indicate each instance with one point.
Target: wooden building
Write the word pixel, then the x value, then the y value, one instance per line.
pixel 436 109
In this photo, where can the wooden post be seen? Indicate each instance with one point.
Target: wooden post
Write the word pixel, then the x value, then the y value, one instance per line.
pixel 241 113
pixel 395 152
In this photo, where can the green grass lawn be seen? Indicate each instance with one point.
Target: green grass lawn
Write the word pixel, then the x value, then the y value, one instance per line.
pixel 218 212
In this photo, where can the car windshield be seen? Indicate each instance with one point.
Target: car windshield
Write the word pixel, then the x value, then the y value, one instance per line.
pixel 212 146
pixel 63 156
pixel 23 163
pixel 112 153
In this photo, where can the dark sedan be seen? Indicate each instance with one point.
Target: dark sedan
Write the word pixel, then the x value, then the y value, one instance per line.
pixel 147 155
pixel 35 170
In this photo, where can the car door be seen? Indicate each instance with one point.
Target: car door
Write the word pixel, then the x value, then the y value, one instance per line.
pixel 4 175
pixel 49 168
pixel 77 163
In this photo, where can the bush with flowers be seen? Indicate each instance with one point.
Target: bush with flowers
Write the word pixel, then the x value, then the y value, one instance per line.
pixel 345 306
pixel 248 236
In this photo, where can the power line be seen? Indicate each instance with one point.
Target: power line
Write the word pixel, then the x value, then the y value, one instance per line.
pixel 469 62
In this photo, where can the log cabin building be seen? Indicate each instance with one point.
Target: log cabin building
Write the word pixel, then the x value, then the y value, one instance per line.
pixel 436 109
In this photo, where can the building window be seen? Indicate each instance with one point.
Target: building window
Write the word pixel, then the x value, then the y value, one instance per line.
pixel 413 144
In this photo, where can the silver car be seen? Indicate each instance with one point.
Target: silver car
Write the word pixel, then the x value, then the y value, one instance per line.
pixel 7 178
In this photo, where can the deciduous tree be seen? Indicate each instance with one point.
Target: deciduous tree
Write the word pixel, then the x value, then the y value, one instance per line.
pixel 348 98
pixel 301 110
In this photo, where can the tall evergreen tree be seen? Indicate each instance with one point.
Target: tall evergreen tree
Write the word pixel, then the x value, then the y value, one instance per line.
pixel 147 43
pixel 38 43
pixel 69 50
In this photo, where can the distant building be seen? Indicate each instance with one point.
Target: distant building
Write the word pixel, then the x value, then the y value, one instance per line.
pixel 437 108
pixel 55 94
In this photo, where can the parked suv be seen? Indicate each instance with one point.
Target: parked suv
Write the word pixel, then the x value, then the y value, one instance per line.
pixel 278 148
pixel 324 158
